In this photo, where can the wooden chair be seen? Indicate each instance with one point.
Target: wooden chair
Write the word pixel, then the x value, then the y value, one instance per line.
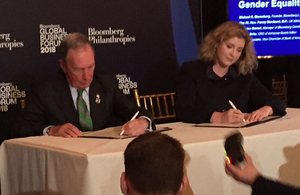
pixel 279 87
pixel 161 105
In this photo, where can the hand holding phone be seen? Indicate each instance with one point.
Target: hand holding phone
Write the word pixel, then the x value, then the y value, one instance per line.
pixel 234 148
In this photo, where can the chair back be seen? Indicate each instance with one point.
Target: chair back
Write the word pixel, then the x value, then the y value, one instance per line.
pixel 161 105
pixel 279 87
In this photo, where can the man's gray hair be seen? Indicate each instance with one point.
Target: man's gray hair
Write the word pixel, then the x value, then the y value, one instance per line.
pixel 72 41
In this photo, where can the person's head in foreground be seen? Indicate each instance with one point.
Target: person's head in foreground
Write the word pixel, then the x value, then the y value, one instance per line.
pixel 230 44
pixel 154 164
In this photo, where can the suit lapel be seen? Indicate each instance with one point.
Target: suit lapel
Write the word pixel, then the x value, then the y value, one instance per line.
pixel 98 111
pixel 63 98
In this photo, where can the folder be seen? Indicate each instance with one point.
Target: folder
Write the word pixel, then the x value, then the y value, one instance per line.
pixel 113 133
pixel 239 124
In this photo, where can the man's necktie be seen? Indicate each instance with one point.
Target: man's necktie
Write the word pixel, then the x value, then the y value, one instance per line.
pixel 85 119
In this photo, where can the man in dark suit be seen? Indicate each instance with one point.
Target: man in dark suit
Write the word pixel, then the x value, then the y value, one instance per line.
pixel 53 107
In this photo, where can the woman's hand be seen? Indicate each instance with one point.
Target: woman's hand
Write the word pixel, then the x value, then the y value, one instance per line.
pixel 259 114
pixel 229 116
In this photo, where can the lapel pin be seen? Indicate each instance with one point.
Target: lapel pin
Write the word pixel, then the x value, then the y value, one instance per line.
pixel 98 100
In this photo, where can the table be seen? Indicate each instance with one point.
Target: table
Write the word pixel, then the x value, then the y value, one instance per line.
pixel 87 166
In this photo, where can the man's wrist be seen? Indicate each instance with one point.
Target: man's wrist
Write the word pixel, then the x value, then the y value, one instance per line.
pixel 149 129
pixel 46 131
pixel 257 181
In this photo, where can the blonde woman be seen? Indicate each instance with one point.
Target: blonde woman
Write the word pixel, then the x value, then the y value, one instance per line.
pixel 223 73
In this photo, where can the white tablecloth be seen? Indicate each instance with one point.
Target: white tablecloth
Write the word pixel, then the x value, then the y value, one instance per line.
pixel 87 166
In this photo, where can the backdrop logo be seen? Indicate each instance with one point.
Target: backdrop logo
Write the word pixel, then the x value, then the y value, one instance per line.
pixel 7 43
pixel 9 94
pixel 109 35
pixel 50 37
pixel 125 84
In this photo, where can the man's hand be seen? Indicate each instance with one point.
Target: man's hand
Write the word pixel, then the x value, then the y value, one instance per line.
pixel 259 114
pixel 246 175
pixel 136 126
pixel 66 130
pixel 229 116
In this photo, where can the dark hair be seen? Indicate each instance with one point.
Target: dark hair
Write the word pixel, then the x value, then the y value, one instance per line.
pixel 208 50
pixel 154 164
pixel 72 41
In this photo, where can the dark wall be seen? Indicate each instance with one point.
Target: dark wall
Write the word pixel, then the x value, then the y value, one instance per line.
pixel 215 13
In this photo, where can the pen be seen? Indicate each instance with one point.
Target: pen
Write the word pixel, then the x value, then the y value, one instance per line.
pixel 233 106
pixel 134 116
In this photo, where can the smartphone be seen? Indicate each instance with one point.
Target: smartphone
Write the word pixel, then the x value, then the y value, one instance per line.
pixel 234 150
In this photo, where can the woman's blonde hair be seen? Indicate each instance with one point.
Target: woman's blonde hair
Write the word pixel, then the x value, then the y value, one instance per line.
pixel 208 50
